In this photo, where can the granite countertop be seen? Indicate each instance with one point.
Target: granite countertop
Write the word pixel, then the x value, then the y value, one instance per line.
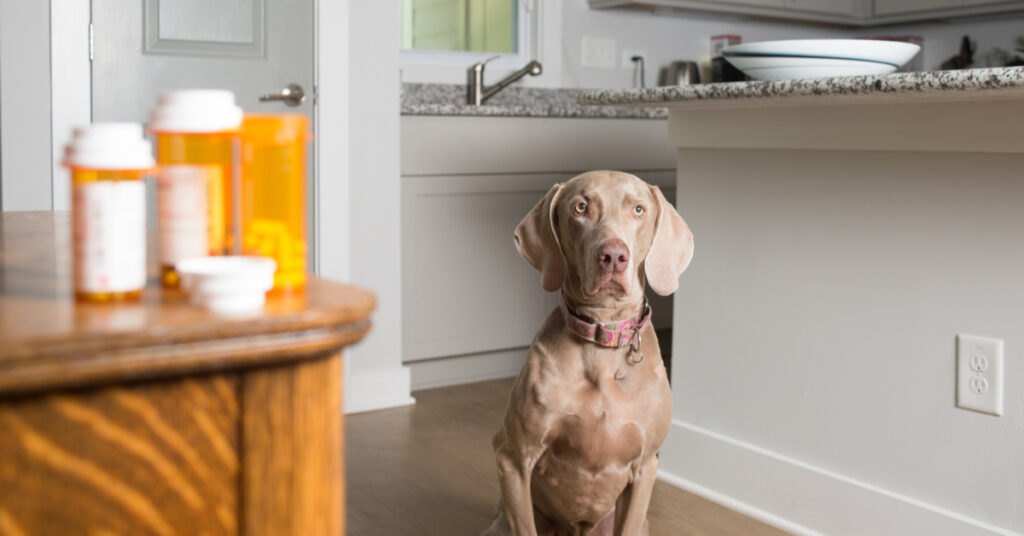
pixel 949 85
pixel 450 99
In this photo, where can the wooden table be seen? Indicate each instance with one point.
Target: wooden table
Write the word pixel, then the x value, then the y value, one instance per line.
pixel 160 418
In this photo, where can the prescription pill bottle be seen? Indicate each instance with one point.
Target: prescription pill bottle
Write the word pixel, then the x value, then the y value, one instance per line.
pixel 273 194
pixel 109 163
pixel 196 149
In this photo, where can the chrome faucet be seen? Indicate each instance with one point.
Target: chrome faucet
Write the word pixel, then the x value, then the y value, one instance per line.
pixel 476 94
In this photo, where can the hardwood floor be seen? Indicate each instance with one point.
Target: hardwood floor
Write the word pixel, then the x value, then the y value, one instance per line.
pixel 428 470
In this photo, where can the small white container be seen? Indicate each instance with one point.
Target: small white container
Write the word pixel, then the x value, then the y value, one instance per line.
pixel 229 285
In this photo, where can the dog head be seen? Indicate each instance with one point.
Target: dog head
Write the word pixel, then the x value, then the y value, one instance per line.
pixel 601 235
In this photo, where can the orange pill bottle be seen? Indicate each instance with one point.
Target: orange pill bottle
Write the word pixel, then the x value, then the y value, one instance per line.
pixel 196 149
pixel 109 163
pixel 273 213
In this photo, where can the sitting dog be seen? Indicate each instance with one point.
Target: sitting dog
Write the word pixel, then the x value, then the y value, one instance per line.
pixel 591 406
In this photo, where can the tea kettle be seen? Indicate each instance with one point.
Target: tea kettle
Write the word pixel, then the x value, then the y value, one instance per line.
pixel 679 73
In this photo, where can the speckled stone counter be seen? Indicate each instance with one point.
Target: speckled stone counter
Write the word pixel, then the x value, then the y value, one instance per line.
pixel 949 85
pixel 450 99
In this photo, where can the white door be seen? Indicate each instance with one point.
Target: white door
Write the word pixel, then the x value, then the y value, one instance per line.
pixel 252 47
pixel 142 48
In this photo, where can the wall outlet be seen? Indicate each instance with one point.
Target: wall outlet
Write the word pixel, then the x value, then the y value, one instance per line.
pixel 627 57
pixel 979 374
pixel 598 52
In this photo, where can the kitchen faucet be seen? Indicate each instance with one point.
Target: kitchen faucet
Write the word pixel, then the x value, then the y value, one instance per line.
pixel 476 94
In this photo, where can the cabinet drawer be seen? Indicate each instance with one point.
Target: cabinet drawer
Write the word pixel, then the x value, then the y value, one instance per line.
pixel 482 145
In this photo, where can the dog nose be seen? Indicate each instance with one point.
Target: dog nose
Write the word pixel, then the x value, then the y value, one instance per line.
pixel 613 256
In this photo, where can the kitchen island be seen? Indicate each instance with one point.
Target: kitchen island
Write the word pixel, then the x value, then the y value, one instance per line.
pixel 156 417
pixel 847 230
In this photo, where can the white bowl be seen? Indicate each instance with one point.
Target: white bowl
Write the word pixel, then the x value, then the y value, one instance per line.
pixel 227 285
pixel 775 68
pixel 813 58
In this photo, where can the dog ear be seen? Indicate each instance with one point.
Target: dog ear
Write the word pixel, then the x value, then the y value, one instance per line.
pixel 671 248
pixel 537 242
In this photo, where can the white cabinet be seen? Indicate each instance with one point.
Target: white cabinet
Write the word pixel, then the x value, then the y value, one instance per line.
pixel 768 3
pixel 830 11
pixel 908 10
pixel 847 12
pixel 464 288
pixel 893 7
pixel 466 184
pixel 835 7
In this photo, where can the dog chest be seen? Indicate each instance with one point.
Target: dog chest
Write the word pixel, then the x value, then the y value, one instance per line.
pixel 596 436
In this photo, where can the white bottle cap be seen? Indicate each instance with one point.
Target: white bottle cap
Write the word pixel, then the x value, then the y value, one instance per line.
pixel 196 110
pixel 231 285
pixel 109 146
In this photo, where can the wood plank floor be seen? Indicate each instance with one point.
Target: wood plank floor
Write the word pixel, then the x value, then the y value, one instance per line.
pixel 428 470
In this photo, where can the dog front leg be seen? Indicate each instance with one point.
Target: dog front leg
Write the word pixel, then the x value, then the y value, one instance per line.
pixel 631 510
pixel 514 472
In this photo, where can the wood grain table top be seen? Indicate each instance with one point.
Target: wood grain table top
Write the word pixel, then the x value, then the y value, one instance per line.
pixel 48 340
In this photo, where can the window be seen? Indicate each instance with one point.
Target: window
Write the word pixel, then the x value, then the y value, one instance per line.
pixel 490 26
pixel 512 33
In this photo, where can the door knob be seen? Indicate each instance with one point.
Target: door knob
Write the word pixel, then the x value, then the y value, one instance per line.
pixel 293 95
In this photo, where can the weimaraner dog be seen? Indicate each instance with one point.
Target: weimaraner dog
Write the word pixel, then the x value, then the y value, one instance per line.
pixel 591 406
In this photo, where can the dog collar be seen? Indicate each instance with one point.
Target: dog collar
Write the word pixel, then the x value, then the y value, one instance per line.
pixel 609 334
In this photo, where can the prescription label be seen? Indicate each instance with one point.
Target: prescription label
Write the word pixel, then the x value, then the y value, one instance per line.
pixel 183 211
pixel 109 236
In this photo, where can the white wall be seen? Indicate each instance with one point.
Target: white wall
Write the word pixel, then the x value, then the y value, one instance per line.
pixel 375 376
pixel 331 234
pixel 814 376
pixel 664 37
pixel 942 39
pixel 25 158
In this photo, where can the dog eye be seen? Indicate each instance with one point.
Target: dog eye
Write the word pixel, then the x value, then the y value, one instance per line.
pixel 579 208
pixel 639 210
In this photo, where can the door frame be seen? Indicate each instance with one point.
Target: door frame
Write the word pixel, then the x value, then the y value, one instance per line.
pixel 70 100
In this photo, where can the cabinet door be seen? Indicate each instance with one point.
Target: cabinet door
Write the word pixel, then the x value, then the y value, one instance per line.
pixel 465 289
pixel 835 7
pixel 892 7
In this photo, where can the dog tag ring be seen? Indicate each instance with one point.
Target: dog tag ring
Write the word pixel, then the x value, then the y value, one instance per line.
pixel 634 348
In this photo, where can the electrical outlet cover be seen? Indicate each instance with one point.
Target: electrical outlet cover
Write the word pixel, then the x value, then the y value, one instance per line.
pixel 979 374
pixel 598 52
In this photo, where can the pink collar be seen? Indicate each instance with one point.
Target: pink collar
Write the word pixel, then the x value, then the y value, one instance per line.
pixel 611 334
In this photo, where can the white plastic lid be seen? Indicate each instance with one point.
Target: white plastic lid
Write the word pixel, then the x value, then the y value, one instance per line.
pixel 196 110
pixel 109 146
pixel 229 284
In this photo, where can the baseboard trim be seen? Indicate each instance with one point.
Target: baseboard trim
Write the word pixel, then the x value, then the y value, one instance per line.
pixel 798 497
pixel 461 369
pixel 377 389
pixel 738 506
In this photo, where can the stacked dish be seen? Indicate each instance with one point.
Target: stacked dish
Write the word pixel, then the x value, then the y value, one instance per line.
pixel 818 58
pixel 228 285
